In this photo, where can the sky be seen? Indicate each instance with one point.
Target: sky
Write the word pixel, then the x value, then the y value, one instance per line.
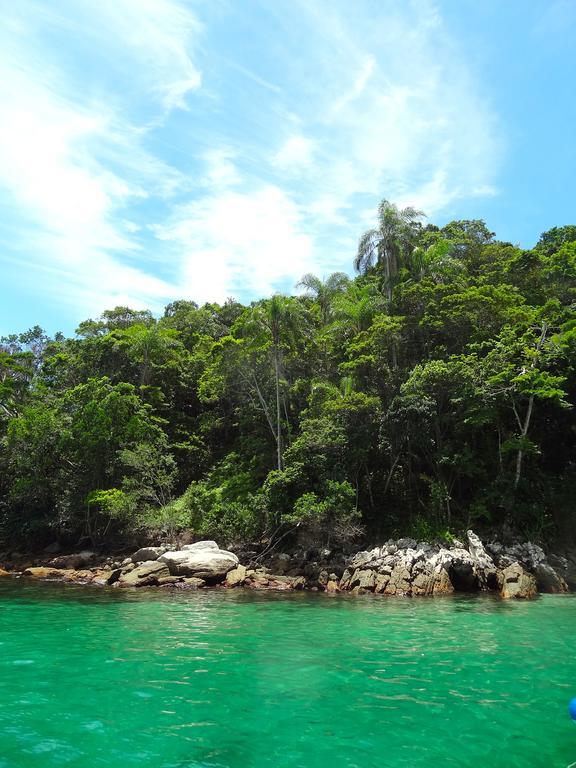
pixel 154 150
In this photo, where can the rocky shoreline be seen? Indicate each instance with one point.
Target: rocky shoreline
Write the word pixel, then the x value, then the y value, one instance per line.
pixel 400 567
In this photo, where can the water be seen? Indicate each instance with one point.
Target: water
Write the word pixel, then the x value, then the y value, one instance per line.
pixel 232 679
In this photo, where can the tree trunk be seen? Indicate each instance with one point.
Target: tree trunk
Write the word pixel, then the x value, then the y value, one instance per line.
pixel 278 417
pixel 526 424
pixel 523 435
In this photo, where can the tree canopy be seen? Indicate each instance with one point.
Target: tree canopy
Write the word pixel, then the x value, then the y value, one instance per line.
pixel 433 391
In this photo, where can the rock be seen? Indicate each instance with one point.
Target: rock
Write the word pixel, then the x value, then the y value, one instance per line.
pixel 114 576
pixel 548 580
pixel 193 583
pixel 236 577
pixel 144 575
pixel 42 572
pixel 381 582
pixel 518 583
pixel 363 579
pixel 423 579
pixel 399 583
pixel 345 580
pixel 4 573
pixel 205 563
pixel 566 568
pixel 323 578
pixel 165 581
pixel 406 543
pixel 200 545
pixel 361 559
pixel 260 579
pixel 442 583
pixel 75 561
pixel 52 549
pixel 145 554
pixel 332 586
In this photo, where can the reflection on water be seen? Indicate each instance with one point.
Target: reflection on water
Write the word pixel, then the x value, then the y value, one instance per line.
pixel 94 677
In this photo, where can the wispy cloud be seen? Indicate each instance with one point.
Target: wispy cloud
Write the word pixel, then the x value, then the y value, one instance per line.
pixel 147 152
pixel 74 169
pixel 250 243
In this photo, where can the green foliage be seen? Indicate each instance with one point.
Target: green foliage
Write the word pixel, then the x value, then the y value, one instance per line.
pixel 432 392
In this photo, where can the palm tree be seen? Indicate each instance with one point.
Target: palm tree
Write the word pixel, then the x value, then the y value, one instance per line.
pixel 387 246
pixel 324 291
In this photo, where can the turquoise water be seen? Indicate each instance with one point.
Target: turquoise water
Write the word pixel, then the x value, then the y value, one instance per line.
pixel 257 680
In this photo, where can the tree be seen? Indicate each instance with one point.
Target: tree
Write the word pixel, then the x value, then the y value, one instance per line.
pixel 278 318
pixel 387 246
pixel 323 292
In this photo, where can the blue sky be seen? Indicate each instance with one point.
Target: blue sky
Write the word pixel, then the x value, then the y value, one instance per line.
pixel 160 149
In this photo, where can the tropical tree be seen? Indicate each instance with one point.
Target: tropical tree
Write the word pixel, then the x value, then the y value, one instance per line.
pixel 388 245
pixel 323 292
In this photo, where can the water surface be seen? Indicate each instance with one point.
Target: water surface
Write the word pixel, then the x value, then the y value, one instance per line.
pixel 234 679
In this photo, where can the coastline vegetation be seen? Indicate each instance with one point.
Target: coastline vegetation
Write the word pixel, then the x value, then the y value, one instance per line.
pixel 432 392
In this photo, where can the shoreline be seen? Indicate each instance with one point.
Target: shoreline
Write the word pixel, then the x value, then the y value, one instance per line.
pixel 400 567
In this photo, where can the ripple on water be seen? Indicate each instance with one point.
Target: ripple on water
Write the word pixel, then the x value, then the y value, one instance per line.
pixel 230 679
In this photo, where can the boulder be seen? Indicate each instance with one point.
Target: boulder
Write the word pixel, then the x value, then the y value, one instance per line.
pixel 345 580
pixel 166 581
pixel 323 578
pixel 442 583
pixel 399 583
pixel 75 561
pixel 114 576
pixel 423 579
pixel 42 572
pixel 200 545
pixel 381 582
pixel 363 579
pixel 548 580
pixel 193 583
pixel 362 559
pixel 298 582
pixel 518 583
pixel 205 563
pixel 236 577
pixel 3 572
pixel 145 554
pixel 144 575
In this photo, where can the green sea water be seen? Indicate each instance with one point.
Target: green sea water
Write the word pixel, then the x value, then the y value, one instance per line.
pixel 233 679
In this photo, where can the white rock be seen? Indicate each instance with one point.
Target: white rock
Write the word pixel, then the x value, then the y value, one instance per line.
pixel 200 545
pixel 211 563
pixel 147 553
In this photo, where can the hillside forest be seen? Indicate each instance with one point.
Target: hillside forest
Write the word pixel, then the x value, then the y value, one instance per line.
pixel 432 392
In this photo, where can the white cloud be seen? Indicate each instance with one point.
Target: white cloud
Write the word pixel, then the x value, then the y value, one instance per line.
pixel 297 151
pixel 379 104
pixel 221 172
pixel 239 241
pixel 159 34
pixel 394 108
pixel 70 168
